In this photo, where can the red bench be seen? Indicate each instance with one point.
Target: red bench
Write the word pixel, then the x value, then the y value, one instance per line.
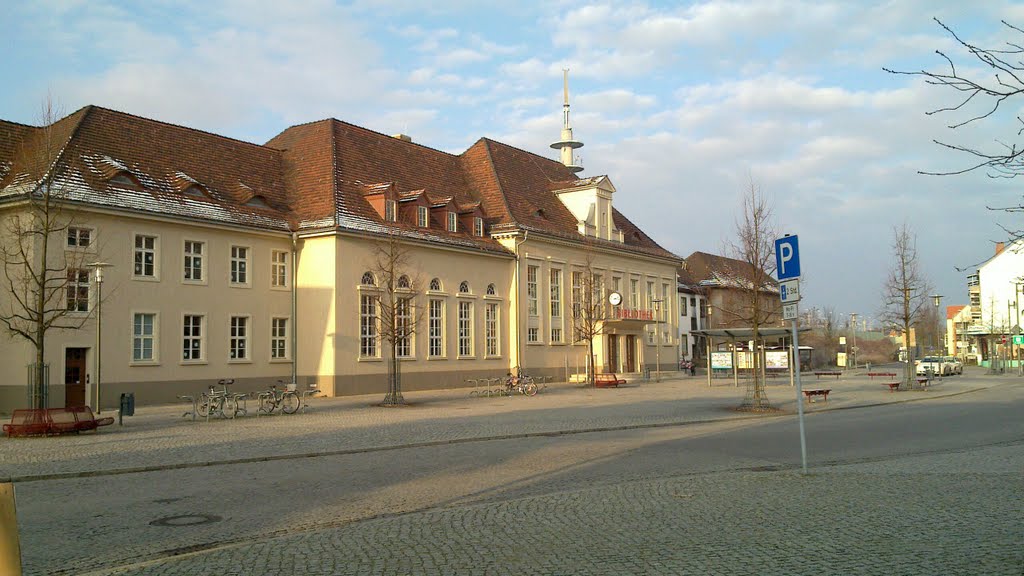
pixel 75 419
pixel 830 373
pixel 886 374
pixel 607 380
pixel 810 394
pixel 892 385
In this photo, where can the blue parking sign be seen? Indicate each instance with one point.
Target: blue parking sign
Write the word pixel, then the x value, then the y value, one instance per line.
pixel 787 258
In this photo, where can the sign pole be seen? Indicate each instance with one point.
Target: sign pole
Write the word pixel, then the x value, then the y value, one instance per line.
pixel 799 396
pixel 787 267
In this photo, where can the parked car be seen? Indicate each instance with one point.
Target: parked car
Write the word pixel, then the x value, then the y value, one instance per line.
pixel 931 364
pixel 953 364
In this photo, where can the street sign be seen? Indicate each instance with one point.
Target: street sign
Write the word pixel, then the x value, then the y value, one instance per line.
pixel 1018 339
pixel 787 258
pixel 789 291
pixel 789 311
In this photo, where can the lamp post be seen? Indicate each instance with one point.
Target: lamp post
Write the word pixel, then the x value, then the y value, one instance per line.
pixel 853 350
pixel 936 298
pixel 657 338
pixel 99 266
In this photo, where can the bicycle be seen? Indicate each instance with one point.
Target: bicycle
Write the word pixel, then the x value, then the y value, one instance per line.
pixel 221 402
pixel 287 399
pixel 523 384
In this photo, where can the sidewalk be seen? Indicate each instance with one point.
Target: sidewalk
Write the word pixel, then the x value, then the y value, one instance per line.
pixel 158 438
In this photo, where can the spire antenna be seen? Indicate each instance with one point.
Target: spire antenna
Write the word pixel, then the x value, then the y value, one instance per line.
pixel 567 144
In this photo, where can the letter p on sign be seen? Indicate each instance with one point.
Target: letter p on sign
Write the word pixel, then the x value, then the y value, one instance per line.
pixel 787 258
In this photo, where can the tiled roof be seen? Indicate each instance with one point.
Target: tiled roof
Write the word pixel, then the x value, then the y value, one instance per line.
pixel 319 175
pixel 952 311
pixel 97 144
pixel 720 271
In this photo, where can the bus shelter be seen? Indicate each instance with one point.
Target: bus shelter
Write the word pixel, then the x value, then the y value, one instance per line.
pixel 730 360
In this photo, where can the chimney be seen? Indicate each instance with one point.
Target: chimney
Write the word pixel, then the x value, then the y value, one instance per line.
pixel 402 137
pixel 999 247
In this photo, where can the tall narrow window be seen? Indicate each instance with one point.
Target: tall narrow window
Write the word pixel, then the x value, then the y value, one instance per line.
pixel 193 261
pixel 278 338
pixel 436 328
pixel 682 306
pixel 465 328
pixel 634 293
pixel 367 326
pixel 555 284
pixel 666 304
pixel 422 216
pixel 491 329
pixel 145 256
pixel 403 328
pixel 238 345
pixel 478 226
pixel 78 290
pixel 279 269
pixel 577 294
pixel 239 265
pixel 531 290
pixel 192 338
pixel 143 337
pixel 390 210
pixel 650 295
pixel 453 222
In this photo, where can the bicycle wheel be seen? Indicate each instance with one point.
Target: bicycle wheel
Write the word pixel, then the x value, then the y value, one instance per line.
pixel 290 403
pixel 266 404
pixel 229 407
pixel 530 389
pixel 203 406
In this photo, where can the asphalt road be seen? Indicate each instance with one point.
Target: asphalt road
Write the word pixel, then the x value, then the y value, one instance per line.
pixel 222 517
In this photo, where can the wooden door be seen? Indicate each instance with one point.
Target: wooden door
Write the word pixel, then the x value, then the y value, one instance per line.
pixel 630 354
pixel 74 377
pixel 613 353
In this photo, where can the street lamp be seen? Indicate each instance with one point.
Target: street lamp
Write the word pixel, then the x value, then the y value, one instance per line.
pixel 936 298
pixel 99 266
pixel 657 338
pixel 853 350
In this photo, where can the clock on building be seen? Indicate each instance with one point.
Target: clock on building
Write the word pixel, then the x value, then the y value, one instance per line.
pixel 615 298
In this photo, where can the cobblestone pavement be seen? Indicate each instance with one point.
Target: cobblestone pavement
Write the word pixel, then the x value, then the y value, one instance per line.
pixel 159 438
pixel 953 513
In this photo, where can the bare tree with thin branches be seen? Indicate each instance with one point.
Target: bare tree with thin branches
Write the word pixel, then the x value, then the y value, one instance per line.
pixel 44 273
pixel 589 310
pixel 398 315
pixel 754 246
pixel 905 292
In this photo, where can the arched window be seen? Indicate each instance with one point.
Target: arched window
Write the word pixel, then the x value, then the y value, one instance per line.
pixel 403 281
pixel 125 178
pixel 435 285
pixel 368 279
pixel 490 290
pixel 464 287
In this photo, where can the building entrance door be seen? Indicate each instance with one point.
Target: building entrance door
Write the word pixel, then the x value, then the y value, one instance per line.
pixel 74 377
pixel 630 366
pixel 613 353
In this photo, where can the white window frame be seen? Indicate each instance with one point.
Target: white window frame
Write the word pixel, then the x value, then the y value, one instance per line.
pixel 279 277
pixel 369 328
pixel 478 226
pixel 404 345
pixel 78 291
pixel 188 338
pixel 634 293
pixel 154 251
pixel 239 340
pixel 76 231
pixel 453 222
pixel 423 216
pixel 465 329
pixel 188 261
pixel 390 210
pixel 532 299
pixel 238 266
pixel 153 337
pixel 280 330
pixel 492 329
pixel 436 328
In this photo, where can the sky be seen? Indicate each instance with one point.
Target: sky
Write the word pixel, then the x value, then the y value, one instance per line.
pixel 684 105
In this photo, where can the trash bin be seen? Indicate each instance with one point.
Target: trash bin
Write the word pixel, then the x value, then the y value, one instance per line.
pixel 127 407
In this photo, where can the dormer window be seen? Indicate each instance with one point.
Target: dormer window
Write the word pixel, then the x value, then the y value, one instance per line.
pixel 390 210
pixel 195 191
pixel 453 222
pixel 478 226
pixel 258 202
pixel 422 217
pixel 125 179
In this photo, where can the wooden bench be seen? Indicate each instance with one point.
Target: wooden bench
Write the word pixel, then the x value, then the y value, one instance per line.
pixel 810 394
pixel 829 373
pixel 607 380
pixel 884 374
pixel 27 422
pixel 892 385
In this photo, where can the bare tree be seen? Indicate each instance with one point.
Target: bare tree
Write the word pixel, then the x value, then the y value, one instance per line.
pixel 45 277
pixel 589 310
pixel 754 246
pixel 905 292
pixel 399 316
